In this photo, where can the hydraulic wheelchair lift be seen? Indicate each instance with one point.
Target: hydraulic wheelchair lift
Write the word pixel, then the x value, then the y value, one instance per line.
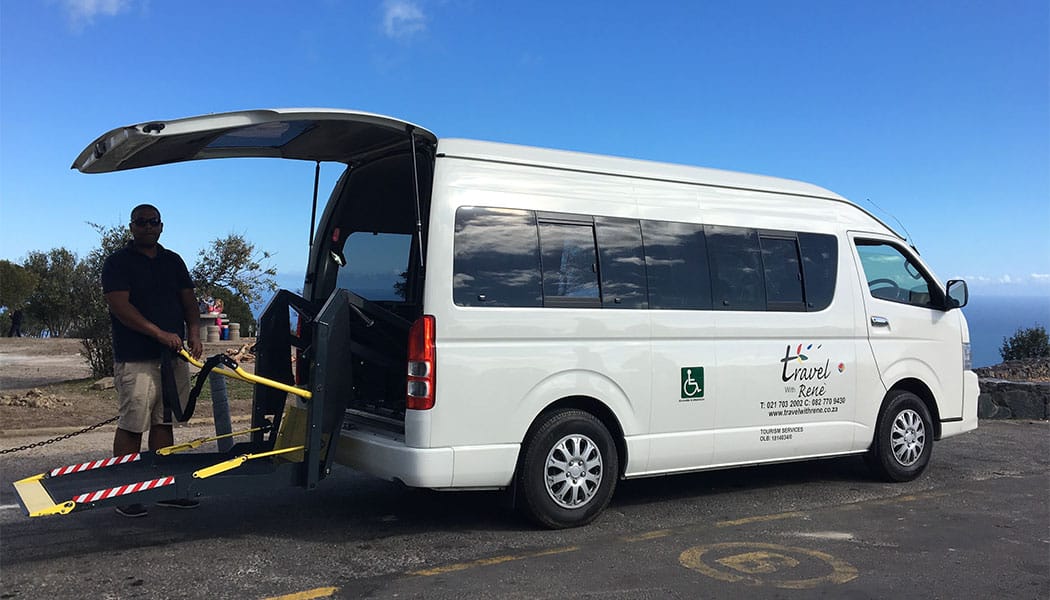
pixel 291 444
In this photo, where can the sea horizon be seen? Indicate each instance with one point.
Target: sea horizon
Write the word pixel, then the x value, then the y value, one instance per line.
pixel 993 318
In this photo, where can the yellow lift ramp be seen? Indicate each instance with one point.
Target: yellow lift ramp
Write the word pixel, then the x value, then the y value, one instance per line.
pixel 287 445
pixel 149 477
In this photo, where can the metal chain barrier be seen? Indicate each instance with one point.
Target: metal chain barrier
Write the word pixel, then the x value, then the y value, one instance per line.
pixel 59 438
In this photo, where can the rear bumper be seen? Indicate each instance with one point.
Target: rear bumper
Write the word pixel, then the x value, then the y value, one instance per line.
pixel 971 390
pixel 488 466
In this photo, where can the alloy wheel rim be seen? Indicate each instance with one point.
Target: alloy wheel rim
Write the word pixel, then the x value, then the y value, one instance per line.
pixel 574 471
pixel 907 437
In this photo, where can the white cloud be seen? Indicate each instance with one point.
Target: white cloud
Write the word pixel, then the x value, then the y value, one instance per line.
pixel 1009 284
pixel 83 12
pixel 402 18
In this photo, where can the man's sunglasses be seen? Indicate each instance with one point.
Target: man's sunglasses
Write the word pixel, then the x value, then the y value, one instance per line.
pixel 144 222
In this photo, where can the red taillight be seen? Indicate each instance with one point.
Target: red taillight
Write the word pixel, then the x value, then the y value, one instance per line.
pixel 419 394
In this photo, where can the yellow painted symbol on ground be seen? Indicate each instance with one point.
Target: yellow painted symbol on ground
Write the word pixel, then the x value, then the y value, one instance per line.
pixel 754 563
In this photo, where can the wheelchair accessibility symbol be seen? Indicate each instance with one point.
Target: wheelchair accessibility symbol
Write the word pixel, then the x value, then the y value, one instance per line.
pixel 753 563
pixel 692 383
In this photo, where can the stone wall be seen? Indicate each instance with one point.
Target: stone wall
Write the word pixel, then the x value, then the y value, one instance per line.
pixel 1027 369
pixel 1002 399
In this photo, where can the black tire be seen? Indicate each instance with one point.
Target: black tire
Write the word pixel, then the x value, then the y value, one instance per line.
pixel 903 440
pixel 581 489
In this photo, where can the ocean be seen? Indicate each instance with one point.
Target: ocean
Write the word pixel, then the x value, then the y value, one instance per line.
pixel 993 318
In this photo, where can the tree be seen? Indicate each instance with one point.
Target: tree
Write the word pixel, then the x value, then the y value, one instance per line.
pixel 58 300
pixel 16 285
pixel 95 326
pixel 232 263
pixel 1031 342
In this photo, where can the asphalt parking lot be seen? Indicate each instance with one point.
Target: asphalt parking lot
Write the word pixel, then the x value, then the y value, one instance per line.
pixel 976 525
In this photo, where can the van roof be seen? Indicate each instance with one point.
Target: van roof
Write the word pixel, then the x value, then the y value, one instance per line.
pixel 629 167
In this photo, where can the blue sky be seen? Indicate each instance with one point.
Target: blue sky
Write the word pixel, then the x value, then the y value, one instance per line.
pixel 938 112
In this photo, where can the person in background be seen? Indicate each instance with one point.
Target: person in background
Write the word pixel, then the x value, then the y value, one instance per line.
pixel 16 324
pixel 152 306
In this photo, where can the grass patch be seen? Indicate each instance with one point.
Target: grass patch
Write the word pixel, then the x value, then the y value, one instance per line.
pixel 77 388
pixel 236 390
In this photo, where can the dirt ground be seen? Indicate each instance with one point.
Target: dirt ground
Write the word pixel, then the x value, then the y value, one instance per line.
pixel 46 383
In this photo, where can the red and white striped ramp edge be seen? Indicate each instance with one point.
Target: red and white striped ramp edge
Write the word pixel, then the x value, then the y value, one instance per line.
pixel 98 464
pixel 130 488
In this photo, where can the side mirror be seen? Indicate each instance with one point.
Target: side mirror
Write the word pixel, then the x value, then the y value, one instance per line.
pixel 956 294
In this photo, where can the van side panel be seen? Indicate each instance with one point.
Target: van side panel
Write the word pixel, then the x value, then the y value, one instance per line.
pixel 498 368
pixel 786 383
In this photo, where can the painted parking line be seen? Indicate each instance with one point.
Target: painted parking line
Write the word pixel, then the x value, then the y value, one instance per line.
pixel 495 560
pixel 321 592
pixel 649 535
pixel 760 519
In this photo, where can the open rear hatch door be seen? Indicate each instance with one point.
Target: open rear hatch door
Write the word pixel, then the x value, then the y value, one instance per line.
pixel 311 134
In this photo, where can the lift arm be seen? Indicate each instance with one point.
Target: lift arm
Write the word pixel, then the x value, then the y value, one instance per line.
pixel 238 373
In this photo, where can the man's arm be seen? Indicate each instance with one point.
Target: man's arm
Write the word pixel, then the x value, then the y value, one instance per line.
pixel 193 321
pixel 120 305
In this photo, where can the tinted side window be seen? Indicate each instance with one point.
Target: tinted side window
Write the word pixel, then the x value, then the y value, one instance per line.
pixel 570 265
pixel 736 268
pixel 622 263
pixel 820 260
pixel 497 258
pixel 676 265
pixel 783 273
pixel 892 275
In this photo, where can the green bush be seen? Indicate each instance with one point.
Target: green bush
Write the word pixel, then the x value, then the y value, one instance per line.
pixel 94 329
pixel 1031 342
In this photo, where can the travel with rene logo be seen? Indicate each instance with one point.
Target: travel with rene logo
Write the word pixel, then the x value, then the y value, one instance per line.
pixel 804 373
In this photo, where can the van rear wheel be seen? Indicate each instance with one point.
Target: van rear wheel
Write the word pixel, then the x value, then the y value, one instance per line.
pixel 903 439
pixel 569 470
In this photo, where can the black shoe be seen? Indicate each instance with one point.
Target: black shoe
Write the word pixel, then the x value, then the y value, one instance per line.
pixel 132 510
pixel 180 503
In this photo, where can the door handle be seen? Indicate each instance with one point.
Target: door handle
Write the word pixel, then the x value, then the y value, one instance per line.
pixel 880 322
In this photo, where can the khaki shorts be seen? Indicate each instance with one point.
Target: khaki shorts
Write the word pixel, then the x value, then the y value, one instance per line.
pixel 139 392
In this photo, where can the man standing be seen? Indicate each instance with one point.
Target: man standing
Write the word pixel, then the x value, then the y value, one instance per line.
pixel 151 303
pixel 16 324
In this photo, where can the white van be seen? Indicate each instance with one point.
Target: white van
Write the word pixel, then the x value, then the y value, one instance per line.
pixel 486 316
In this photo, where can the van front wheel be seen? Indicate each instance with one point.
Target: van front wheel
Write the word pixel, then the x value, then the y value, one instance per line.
pixel 903 439
pixel 569 470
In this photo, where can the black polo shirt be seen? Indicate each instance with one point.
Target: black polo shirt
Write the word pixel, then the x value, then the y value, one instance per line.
pixel 153 285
